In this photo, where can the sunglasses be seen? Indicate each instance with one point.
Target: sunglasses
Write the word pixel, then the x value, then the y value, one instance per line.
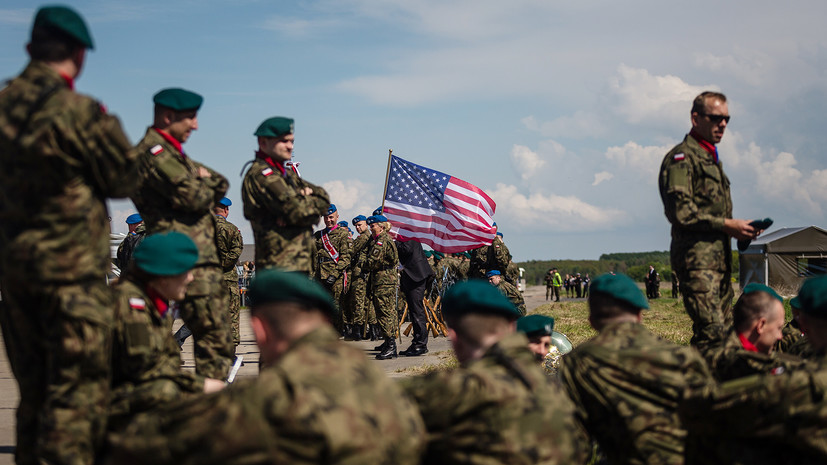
pixel 716 118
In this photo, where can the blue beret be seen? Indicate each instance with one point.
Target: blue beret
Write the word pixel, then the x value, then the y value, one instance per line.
pixel 342 224
pixel 499 234
pixel 757 287
pixel 378 211
pixel 621 287
pixel 359 218
pixel 477 296
pixel 493 273
pixel 273 286
pixel 225 201
pixel 331 209
pixel 377 219
pixel 276 126
pixel 166 254
pixel 178 99
pixel 536 325
pixel 812 298
pixel 65 20
pixel 134 218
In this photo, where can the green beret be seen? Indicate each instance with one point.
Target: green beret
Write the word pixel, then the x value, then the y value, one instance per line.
pixel 536 325
pixel 438 255
pixel 621 287
pixel 477 296
pixel 428 253
pixel 276 126
pixel 812 297
pixel 65 20
pixel 166 254
pixel 178 99
pixel 757 287
pixel 273 286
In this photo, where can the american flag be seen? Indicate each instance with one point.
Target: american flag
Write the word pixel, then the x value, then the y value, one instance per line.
pixel 437 209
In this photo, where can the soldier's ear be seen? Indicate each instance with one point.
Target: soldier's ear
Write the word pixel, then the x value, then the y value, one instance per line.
pixel 259 331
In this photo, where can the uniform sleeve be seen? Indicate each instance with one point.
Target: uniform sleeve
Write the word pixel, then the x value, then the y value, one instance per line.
pixel 173 179
pixel 272 193
pixel 679 197
pixel 345 253
pixel 236 246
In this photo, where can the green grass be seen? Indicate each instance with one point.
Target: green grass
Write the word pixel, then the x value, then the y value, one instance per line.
pixel 446 361
pixel 665 317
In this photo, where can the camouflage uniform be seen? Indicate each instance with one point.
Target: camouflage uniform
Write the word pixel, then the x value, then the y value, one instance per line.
pixel 358 288
pixel 147 361
pixel 292 413
pixel 513 295
pixel 382 261
pixel 789 336
pixel 330 269
pixel 696 200
pixel 478 265
pixel 548 281
pixel 512 273
pixel 759 419
pixel 127 246
pixel 173 197
pixel 230 244
pixel 728 359
pixel 627 383
pixel 282 218
pixel 62 156
pixel 498 409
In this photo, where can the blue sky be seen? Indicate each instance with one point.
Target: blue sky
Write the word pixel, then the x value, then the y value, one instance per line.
pixel 561 111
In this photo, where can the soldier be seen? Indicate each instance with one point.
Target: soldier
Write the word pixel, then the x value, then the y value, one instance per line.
pixel 497 406
pixel 538 329
pixel 230 244
pixel 333 254
pixel 748 347
pixel 696 200
pixel 136 234
pixel 675 288
pixel 627 382
pixel 381 263
pixel 495 278
pixel 512 273
pixel 281 206
pixel 147 362
pixel 768 418
pixel 62 157
pixel 548 280
pixel 292 412
pixel 357 296
pixel 556 282
pixel 178 194
pixel 792 338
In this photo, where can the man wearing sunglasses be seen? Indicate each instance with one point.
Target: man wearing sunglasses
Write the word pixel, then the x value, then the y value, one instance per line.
pixel 697 202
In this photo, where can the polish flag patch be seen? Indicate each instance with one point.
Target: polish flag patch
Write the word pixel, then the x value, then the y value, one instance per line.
pixel 267 171
pixel 137 303
pixel 378 243
pixel 679 156
pixel 156 150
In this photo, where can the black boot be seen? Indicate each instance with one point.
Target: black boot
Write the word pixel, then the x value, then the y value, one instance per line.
pixel 381 347
pixel 356 332
pixel 390 350
pixel 374 332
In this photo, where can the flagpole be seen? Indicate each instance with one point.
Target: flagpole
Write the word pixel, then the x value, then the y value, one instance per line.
pixel 387 175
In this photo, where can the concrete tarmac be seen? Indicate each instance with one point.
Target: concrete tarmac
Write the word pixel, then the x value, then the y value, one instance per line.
pixel 534 297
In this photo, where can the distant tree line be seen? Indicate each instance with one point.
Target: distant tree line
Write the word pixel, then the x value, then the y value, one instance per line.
pixel 634 264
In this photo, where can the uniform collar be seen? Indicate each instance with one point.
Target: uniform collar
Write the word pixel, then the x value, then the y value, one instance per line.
pixel 273 163
pixel 171 140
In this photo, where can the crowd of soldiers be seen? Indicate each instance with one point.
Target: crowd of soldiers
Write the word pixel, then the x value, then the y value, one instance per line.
pixel 575 285
pixel 99 371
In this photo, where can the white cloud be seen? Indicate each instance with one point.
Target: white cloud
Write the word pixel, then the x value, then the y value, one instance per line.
pixel 563 213
pixel 752 67
pixel 526 161
pixel 353 197
pixel 601 177
pixel 642 162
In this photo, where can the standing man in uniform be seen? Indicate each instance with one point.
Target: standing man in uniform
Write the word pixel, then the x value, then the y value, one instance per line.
pixel 697 202
pixel 136 234
pixel 357 297
pixel 413 276
pixel 333 250
pixel 62 157
pixel 281 206
pixel 382 262
pixel 178 194
pixel 230 244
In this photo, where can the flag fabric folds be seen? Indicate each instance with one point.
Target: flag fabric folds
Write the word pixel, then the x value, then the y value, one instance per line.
pixel 437 209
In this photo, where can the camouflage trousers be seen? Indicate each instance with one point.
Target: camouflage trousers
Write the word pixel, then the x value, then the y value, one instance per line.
pixel 384 303
pixel 59 343
pixel 204 310
pixel 354 311
pixel 707 297
pixel 235 309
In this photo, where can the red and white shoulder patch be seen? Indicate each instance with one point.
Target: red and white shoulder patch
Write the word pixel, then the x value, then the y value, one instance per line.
pixel 137 303
pixel 156 150
pixel 267 171
pixel 679 156
pixel 378 243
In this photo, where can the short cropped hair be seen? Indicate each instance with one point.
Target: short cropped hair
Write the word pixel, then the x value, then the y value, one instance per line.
pixel 605 307
pixel 699 104
pixel 474 328
pixel 52 45
pixel 751 307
